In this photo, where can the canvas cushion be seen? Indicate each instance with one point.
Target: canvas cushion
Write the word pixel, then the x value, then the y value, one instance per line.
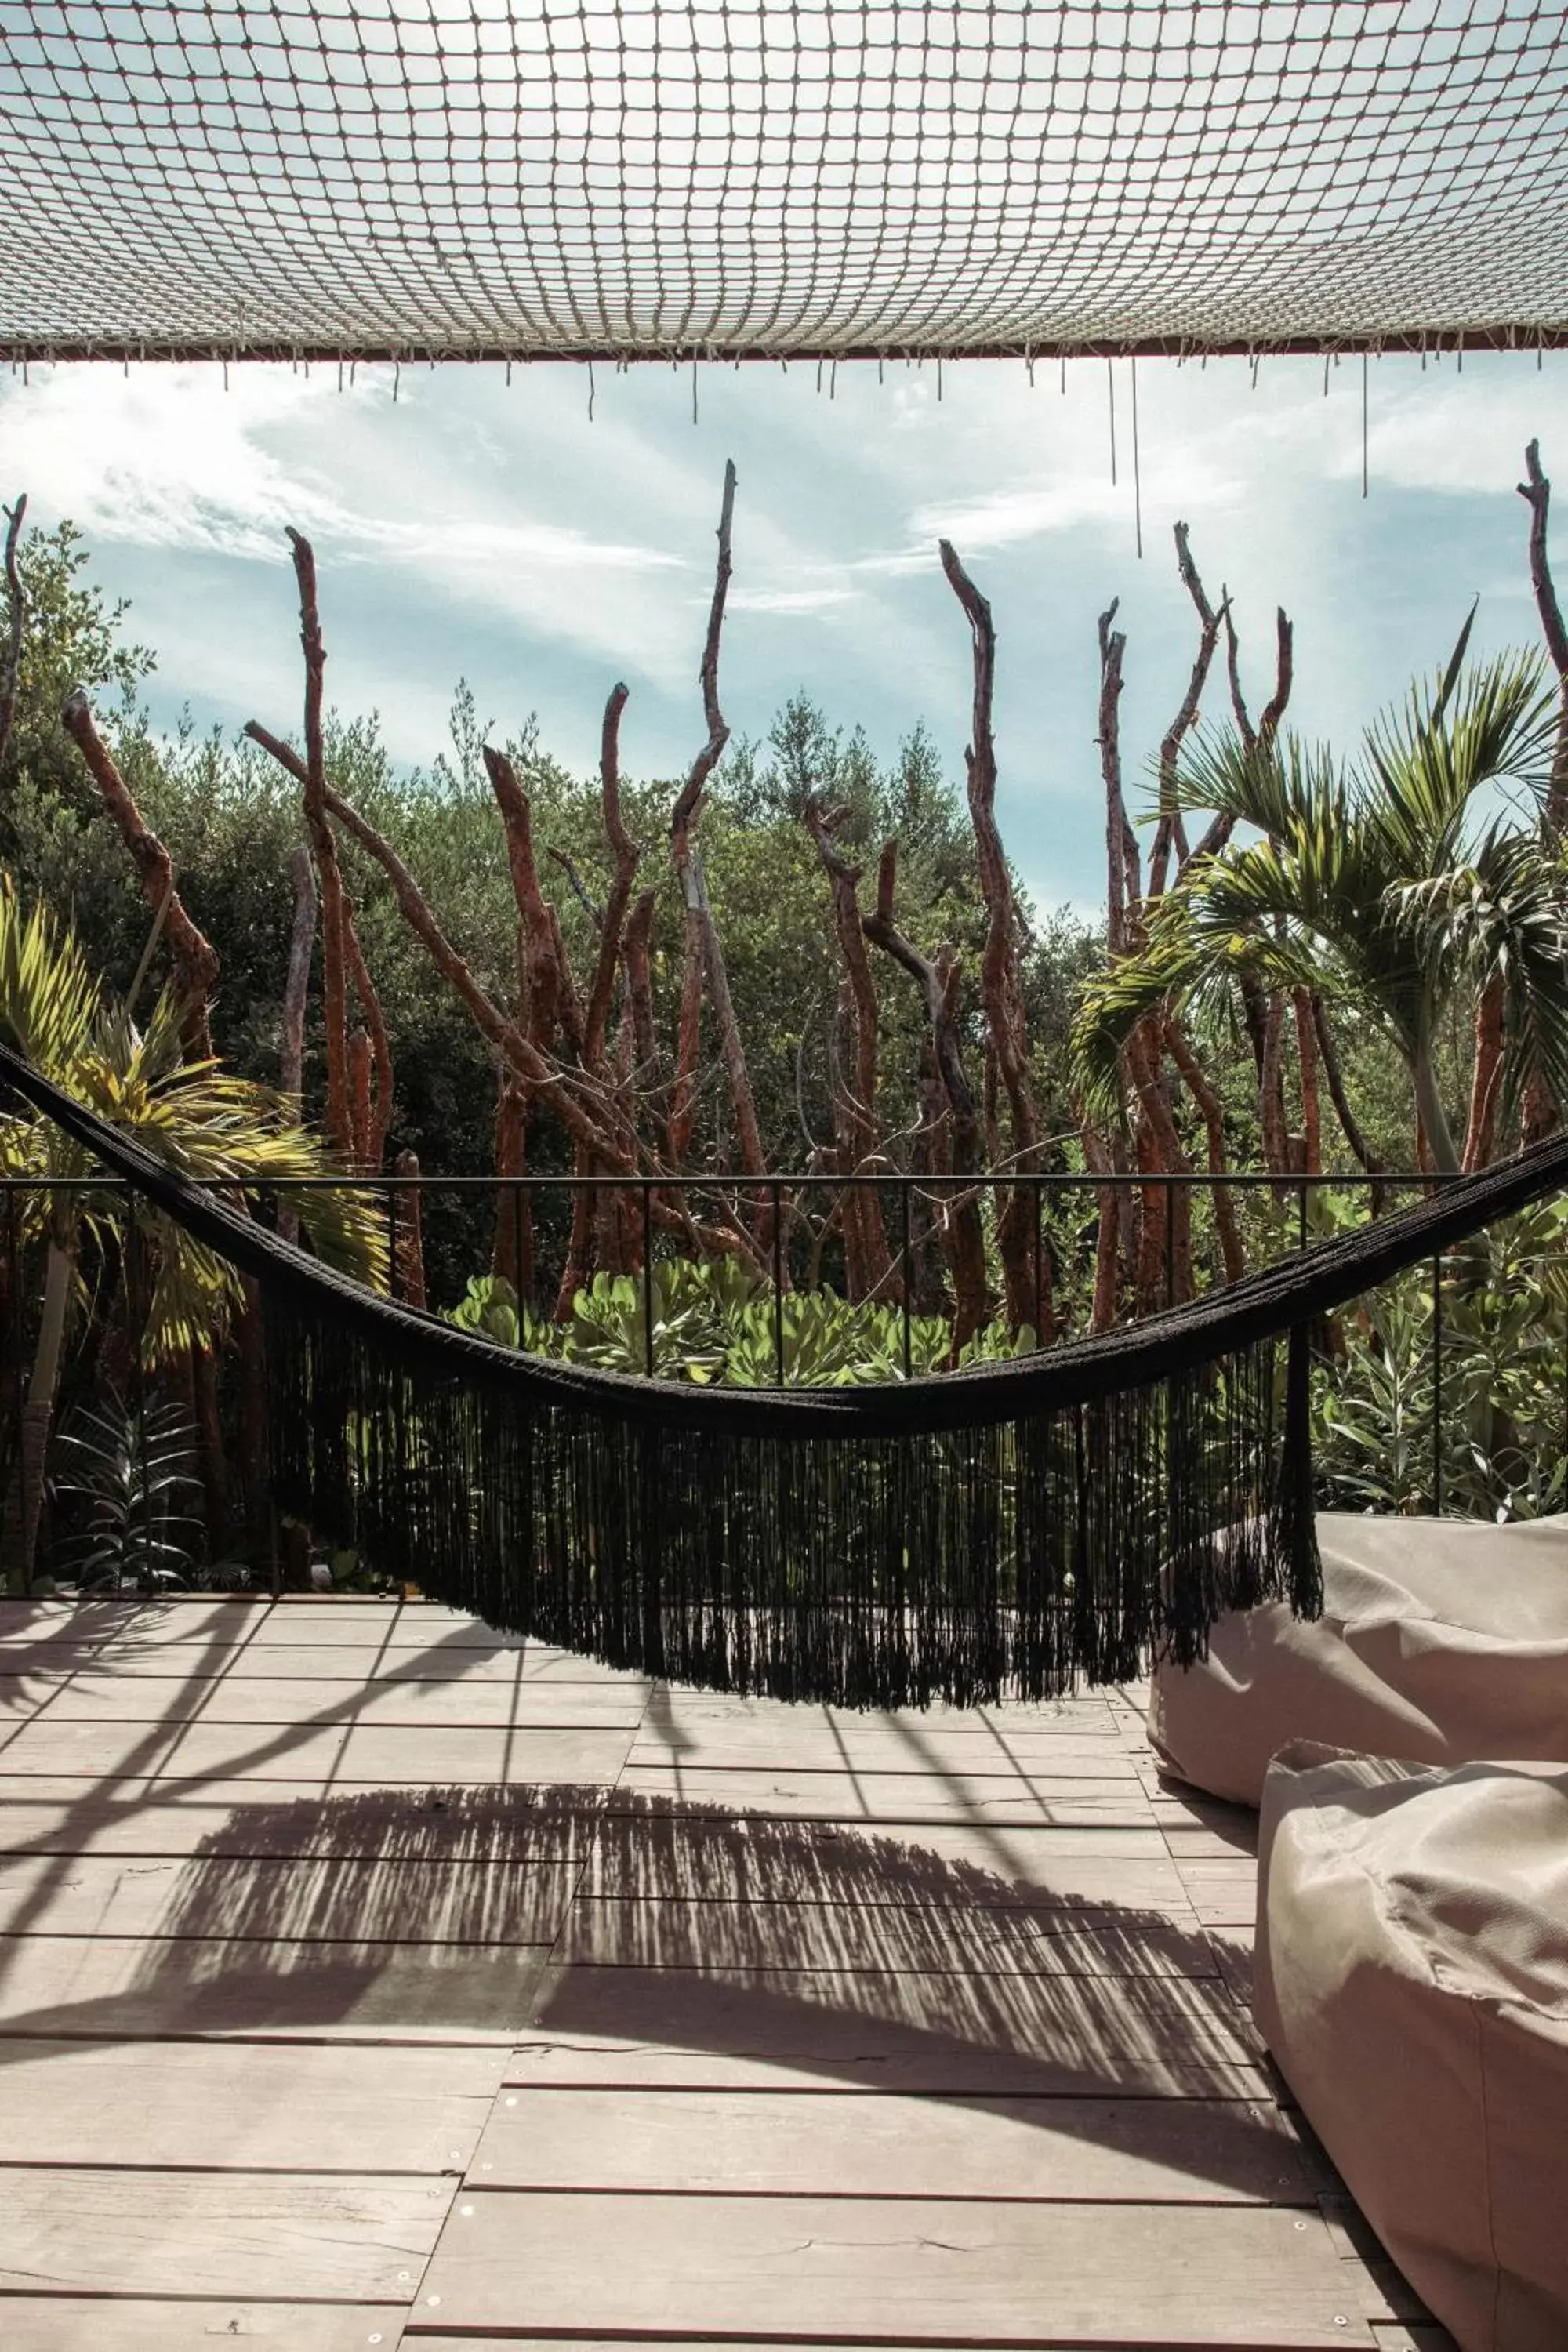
pixel 1440 1640
pixel 1412 1983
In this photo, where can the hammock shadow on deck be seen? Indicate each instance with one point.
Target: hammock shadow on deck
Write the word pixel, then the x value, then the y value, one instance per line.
pixel 847 1956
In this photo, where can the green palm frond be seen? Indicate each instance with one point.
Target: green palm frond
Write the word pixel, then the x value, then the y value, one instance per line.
pixel 197 1118
pixel 1424 762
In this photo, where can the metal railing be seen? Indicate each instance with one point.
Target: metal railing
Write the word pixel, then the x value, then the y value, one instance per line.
pixel 783 1196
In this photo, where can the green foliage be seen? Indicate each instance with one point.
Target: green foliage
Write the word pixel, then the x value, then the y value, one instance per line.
pixel 130 1474
pixel 717 1322
pixel 1504 1349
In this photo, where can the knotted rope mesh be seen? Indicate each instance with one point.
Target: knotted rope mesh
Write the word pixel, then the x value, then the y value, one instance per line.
pixel 637 178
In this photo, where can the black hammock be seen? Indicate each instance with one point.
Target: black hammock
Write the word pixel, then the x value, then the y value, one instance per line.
pixel 1004 1530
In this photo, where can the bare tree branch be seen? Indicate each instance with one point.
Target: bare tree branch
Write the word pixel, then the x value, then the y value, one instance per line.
pixel 1536 492
pixel 296 987
pixel 1024 1272
pixel 16 621
pixel 335 961
pixel 1167 834
pixel 869 1262
pixel 938 978
pixel 354 963
pixel 194 963
pixel 705 970
pixel 544 1075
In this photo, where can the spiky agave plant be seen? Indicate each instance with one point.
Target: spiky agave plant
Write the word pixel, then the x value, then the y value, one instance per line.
pixel 196 1118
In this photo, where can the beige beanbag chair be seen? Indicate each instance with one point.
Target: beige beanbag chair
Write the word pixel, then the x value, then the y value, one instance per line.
pixel 1440 1640
pixel 1412 1983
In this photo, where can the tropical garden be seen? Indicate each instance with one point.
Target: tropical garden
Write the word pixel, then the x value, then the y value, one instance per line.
pixel 769 1071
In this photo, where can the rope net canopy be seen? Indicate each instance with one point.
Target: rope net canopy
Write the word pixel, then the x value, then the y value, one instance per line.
pixel 747 178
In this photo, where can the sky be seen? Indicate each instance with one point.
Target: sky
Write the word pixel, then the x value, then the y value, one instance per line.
pixel 466 528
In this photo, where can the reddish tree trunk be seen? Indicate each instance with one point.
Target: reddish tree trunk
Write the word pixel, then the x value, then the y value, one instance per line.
pixel 1486 1077
pixel 1025 1274
pixel 958 1209
pixel 194 963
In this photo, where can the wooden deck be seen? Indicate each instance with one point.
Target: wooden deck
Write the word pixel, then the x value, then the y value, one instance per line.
pixel 367 1979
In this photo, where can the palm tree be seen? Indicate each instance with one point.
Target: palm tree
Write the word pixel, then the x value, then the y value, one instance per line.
pixel 193 1116
pixel 1385 882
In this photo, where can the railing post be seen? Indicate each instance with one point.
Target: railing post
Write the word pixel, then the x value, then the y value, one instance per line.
pixel 1039 1270
pixel 1170 1242
pixel 1437 1385
pixel 909 1275
pixel 392 1241
pixel 648 1276
pixel 1302 1216
pixel 778 1286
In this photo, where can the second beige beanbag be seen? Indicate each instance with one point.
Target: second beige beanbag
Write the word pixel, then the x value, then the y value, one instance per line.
pixel 1440 1640
pixel 1412 1983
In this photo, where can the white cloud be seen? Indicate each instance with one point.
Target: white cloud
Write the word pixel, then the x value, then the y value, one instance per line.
pixel 802 601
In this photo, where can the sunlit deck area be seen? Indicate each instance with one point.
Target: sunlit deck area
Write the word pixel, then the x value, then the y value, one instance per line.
pixel 367 1978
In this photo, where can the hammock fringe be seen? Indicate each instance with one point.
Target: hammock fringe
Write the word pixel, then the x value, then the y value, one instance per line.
pixel 1015 1559
pixel 1007 1531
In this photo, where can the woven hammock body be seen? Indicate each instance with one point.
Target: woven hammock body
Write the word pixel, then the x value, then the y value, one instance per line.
pixel 1003 1531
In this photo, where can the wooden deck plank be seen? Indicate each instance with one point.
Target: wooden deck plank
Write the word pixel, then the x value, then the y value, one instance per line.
pixel 388 1756
pixel 1157 2275
pixel 1093 2036
pixel 395 1755
pixel 890 1797
pixel 665 1933
pixel 285 1819
pixel 321 2108
pixel 298 1663
pixel 236 1697
pixel 1224 1893
pixel 107 1986
pixel 912 2066
pixel 854 2143
pixel 1053 1755
pixel 294 1887
pixel 335 2237
pixel 1124 1866
pixel 112 2323
pixel 99 1751
pixel 308 1899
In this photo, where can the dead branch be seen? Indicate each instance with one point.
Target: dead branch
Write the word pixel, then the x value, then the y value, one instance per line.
pixel 1306 1061
pixel 1156 1143
pixel 16 621
pixel 1284 673
pixel 1026 1275
pixel 540 966
pixel 194 963
pixel 869 1262
pixel 1261 736
pixel 1536 492
pixel 544 1075
pixel 1168 834
pixel 578 889
pixel 1329 1051
pixel 296 987
pixel 938 979
pixel 637 957
pixel 334 963
pixel 1120 844
pixel 627 852
pixel 1486 1075
pixel 705 972
pixel 1208 1103
pixel 343 958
